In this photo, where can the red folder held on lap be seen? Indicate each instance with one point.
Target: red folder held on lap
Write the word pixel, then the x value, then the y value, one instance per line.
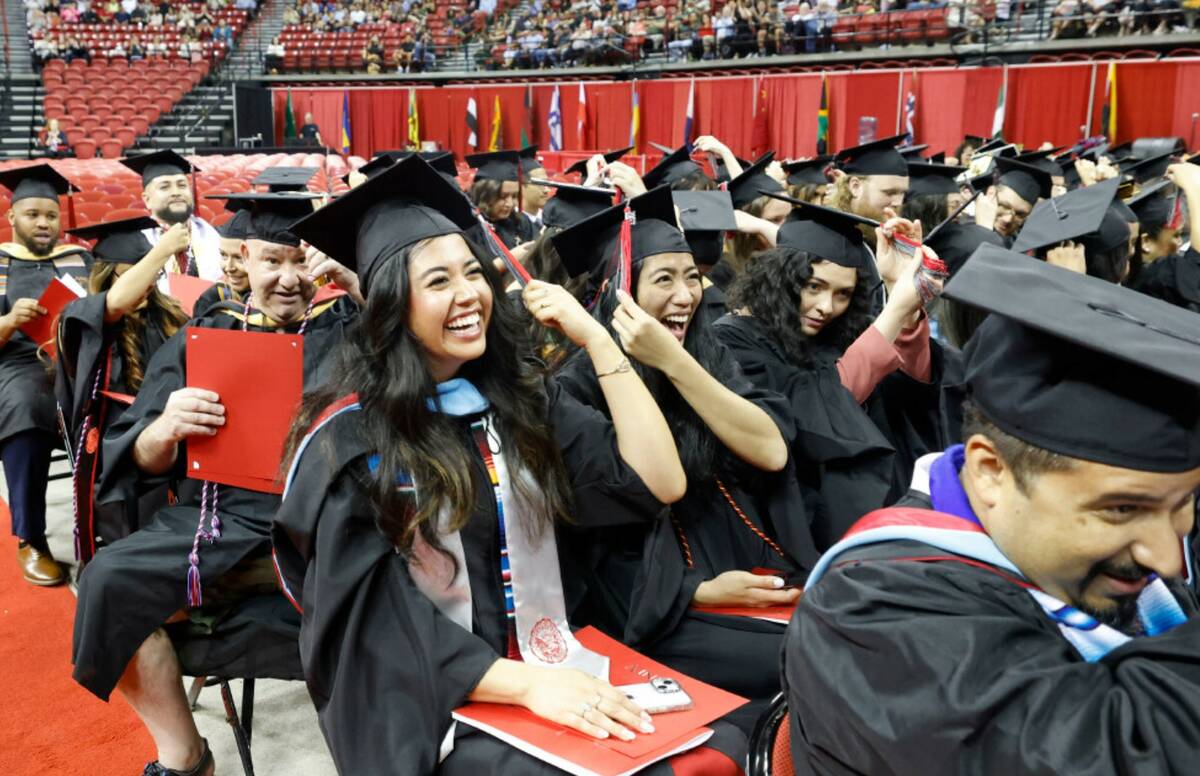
pixel 582 755
pixel 55 299
pixel 187 290
pixel 260 379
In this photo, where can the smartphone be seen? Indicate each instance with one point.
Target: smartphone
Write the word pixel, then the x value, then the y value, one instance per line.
pixel 658 696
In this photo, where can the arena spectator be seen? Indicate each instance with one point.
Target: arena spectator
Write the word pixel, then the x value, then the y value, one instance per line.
pixel 274 57
pixel 136 50
pixel 53 142
pixel 310 131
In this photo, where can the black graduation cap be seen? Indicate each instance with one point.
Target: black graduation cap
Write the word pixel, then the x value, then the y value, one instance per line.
pixel 279 179
pixel 1148 169
pixel 913 153
pixel 442 161
pixel 938 158
pixel 1154 205
pixel 157 164
pixel 588 245
pixel 495 166
pixel 407 203
pixel 674 166
pixel 722 172
pixel 1079 366
pixel 236 228
pixel 705 217
pixel 271 214
pixel 995 144
pixel 808 171
pixel 529 160
pixel 929 178
pixel 975 140
pixel 955 242
pixel 1042 161
pixel 118 242
pixel 878 157
pixel 1029 182
pixel 39 181
pixel 610 157
pixel 1120 153
pixel 830 234
pixel 753 182
pixel 1076 215
pixel 573 204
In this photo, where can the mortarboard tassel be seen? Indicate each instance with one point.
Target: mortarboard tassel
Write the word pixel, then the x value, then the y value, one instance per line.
pixel 625 270
pixel 519 273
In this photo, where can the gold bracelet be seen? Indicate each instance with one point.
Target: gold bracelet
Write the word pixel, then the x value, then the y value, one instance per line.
pixel 621 368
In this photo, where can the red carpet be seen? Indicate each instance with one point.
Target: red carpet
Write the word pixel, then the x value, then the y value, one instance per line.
pixel 49 723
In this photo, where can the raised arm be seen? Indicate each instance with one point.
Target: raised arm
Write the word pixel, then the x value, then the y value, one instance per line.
pixel 131 286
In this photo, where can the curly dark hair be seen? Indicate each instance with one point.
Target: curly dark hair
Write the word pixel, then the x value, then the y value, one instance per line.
pixel 770 287
pixel 384 363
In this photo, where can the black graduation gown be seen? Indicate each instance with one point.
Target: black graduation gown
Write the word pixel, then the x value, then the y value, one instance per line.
pixel 1174 279
pixel 219 292
pixel 384 667
pixel 26 382
pixel 135 584
pixel 512 231
pixel 843 462
pixel 896 666
pixel 86 346
pixel 640 583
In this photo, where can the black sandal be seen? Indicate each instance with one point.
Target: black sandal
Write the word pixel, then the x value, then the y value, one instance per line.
pixel 156 769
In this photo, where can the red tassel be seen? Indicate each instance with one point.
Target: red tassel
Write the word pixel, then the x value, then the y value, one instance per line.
pixel 521 275
pixel 625 271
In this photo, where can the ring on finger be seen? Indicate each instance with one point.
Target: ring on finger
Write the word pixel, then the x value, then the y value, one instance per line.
pixel 585 709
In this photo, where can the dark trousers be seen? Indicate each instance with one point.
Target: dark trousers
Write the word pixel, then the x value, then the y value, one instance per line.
pixel 26 459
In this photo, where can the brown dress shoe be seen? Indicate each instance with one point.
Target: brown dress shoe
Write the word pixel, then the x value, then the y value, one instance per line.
pixel 39 567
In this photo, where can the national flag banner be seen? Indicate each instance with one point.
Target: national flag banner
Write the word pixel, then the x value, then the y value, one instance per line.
pixel 823 119
pixel 1108 113
pixel 472 124
pixel 1001 100
pixel 527 119
pixel 690 117
pixel 346 135
pixel 289 118
pixel 910 112
pixel 414 120
pixel 635 120
pixel 496 138
pixel 554 121
pixel 760 135
pixel 581 124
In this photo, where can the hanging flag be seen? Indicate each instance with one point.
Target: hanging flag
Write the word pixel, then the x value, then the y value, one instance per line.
pixel 760 135
pixel 554 121
pixel 1108 113
pixel 346 122
pixel 690 116
pixel 472 124
pixel 496 138
pixel 527 121
pixel 823 119
pixel 998 117
pixel 414 120
pixel 581 124
pixel 635 120
pixel 289 119
pixel 910 112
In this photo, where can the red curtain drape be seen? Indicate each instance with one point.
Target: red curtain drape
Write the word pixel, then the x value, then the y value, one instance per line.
pixel 1045 103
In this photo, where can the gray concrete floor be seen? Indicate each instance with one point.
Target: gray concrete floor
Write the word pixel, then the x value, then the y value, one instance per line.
pixel 286 739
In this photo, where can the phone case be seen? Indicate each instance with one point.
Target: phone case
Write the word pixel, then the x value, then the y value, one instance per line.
pixel 653 701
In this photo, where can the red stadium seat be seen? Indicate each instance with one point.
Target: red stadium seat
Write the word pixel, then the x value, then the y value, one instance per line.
pixel 139 125
pixel 119 200
pixel 122 213
pixel 126 136
pixel 90 212
pixel 90 196
pixel 111 149
pixel 100 134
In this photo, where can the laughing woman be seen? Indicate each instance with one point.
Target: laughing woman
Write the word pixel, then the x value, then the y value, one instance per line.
pixel 427 483
pixel 651 581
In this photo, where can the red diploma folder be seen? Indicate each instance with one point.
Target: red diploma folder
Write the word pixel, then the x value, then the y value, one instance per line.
pixel 121 398
pixel 779 614
pixel 55 299
pixel 187 290
pixel 582 755
pixel 326 292
pixel 260 378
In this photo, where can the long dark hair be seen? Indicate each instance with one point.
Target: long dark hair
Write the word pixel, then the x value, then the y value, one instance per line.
pixel 544 263
pixel 384 363
pixel 770 289
pixel 929 209
pixel 162 311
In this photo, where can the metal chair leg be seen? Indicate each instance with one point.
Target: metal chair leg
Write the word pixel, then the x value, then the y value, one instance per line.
pixel 239 733
pixel 248 708
pixel 193 695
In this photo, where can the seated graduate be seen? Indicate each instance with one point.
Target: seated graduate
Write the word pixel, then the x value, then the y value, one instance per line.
pixel 806 179
pixel 748 191
pixel 870 179
pixel 496 191
pixel 136 585
pixel 955 244
pixel 1021 611
pixel 933 193
pixel 677 170
pixel 425 486
pixel 29 428
pixel 234 285
pixel 1085 230
pixel 743 509
pixel 800 325
pixel 105 343
pixel 1018 190
pixel 1170 275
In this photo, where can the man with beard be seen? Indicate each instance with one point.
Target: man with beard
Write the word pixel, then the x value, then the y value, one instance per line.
pixel 1021 610
pixel 28 420
pixel 870 178
pixel 167 192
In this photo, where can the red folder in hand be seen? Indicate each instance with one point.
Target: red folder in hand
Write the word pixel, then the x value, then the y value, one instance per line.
pixel 586 756
pixel 259 377
pixel 779 614
pixel 327 292
pixel 55 299
pixel 187 290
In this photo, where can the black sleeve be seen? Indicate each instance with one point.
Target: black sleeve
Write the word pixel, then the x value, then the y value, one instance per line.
pixel 81 345
pixel 383 666
pixel 900 667
pixel 1159 280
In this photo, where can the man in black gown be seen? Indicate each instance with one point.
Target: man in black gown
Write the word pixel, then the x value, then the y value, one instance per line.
pixel 1021 610
pixel 28 419
pixel 138 583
